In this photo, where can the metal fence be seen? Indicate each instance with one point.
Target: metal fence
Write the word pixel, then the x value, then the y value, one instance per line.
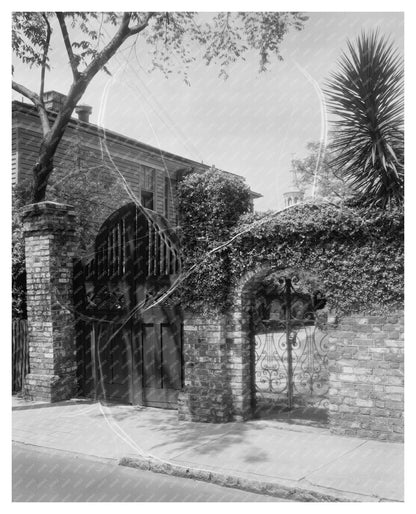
pixel 20 354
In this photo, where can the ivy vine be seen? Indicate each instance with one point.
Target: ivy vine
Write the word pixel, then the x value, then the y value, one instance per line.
pixel 356 254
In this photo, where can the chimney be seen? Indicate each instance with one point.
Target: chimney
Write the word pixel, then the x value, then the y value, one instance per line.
pixel 53 100
pixel 83 112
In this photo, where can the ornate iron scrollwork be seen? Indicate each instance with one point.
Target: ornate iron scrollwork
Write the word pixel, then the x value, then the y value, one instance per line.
pixel 271 375
pixel 290 343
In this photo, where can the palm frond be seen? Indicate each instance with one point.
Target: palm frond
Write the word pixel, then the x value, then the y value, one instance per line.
pixel 366 96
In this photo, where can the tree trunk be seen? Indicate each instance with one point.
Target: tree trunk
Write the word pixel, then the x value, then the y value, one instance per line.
pixel 44 167
pixel 41 173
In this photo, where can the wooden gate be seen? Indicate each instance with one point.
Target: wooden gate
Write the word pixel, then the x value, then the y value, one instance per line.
pixel 20 354
pixel 129 343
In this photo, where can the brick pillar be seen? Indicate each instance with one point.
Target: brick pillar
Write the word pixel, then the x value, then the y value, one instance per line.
pixel 240 350
pixel 50 240
pixel 206 396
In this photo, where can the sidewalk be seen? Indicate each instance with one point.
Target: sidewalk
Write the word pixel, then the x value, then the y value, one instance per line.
pixel 296 462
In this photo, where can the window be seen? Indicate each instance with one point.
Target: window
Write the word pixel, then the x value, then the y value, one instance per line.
pixel 147 199
pixel 147 178
pixel 147 185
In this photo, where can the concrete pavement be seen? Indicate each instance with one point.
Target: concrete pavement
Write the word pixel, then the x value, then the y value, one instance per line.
pixel 291 461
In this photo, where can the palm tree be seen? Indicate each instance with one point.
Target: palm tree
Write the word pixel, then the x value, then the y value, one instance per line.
pixel 366 95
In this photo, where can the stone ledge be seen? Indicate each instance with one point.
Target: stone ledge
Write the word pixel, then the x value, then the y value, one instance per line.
pixel 52 207
pixel 281 489
pixel 47 217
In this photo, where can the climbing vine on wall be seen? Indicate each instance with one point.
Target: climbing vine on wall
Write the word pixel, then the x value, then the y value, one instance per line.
pixel 210 207
pixel 356 254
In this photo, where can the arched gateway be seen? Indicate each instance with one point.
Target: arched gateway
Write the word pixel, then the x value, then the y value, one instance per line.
pixel 268 350
pixel 129 346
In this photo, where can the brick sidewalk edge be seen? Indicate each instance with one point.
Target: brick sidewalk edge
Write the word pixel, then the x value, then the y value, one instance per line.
pixel 279 490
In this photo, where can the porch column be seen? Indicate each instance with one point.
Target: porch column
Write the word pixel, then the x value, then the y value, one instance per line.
pixel 50 242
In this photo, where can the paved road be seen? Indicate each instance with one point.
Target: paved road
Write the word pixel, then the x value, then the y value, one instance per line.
pixel 45 475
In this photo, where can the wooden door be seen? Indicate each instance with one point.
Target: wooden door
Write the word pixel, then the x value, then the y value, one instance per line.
pixel 139 363
pixel 113 361
pixel 161 359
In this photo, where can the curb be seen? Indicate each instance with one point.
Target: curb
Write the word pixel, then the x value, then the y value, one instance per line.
pixel 278 490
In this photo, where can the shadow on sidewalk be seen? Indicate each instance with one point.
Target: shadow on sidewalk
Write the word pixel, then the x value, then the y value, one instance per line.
pixel 308 416
pixel 167 433
pixel 159 430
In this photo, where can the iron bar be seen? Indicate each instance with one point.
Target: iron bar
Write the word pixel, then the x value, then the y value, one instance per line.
pixel 288 295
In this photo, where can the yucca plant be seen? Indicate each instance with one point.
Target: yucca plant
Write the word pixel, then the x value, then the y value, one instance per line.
pixel 366 95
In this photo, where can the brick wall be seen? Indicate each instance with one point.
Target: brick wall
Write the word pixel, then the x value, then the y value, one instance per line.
pixel 50 240
pixel 217 359
pixel 366 364
pixel 206 395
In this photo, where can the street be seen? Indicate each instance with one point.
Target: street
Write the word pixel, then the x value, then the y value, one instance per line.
pixel 44 475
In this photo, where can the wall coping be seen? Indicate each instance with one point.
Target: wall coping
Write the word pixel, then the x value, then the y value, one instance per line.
pixel 48 217
pixel 47 207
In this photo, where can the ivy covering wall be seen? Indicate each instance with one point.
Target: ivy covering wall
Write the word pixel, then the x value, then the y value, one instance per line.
pixel 210 206
pixel 357 254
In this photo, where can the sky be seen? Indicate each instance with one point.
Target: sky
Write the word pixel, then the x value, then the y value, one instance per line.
pixel 252 124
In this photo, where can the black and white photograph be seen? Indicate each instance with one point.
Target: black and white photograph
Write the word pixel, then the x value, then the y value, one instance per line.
pixel 207 253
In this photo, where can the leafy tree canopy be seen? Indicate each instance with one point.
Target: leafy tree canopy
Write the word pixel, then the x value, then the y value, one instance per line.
pixel 210 204
pixel 316 175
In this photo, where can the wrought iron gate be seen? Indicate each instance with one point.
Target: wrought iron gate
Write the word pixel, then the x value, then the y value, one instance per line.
pixel 290 345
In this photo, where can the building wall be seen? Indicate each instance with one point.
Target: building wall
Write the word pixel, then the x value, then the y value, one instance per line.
pixel 86 146
pixel 14 156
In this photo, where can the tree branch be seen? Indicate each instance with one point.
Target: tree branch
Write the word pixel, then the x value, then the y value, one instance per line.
pixel 68 45
pixel 109 50
pixel 83 79
pixel 136 29
pixel 53 134
pixel 35 99
pixel 45 56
